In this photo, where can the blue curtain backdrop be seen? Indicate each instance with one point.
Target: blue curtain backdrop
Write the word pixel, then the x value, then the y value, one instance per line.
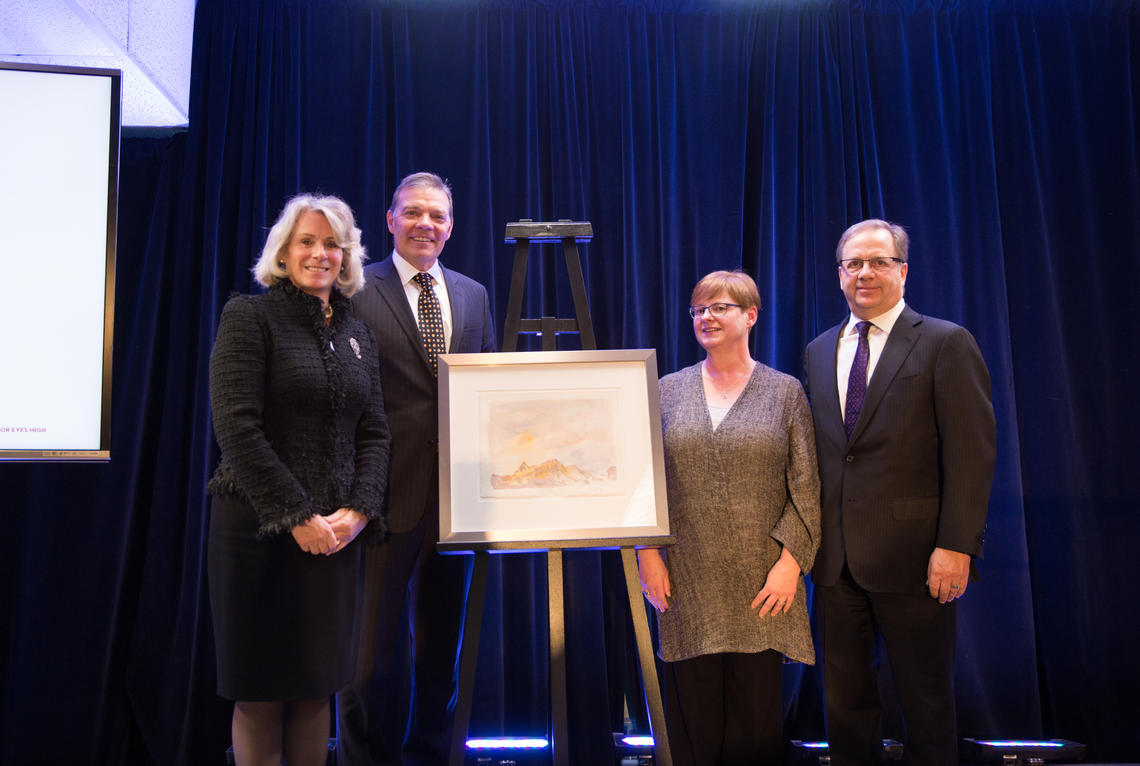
pixel 694 136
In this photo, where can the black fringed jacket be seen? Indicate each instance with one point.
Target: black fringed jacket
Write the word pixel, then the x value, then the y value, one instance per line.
pixel 298 410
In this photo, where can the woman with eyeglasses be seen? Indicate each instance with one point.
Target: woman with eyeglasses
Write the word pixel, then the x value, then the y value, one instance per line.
pixel 743 490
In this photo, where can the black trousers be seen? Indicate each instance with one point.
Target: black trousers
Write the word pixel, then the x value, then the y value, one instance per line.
pixel 411 594
pixel 919 637
pixel 725 710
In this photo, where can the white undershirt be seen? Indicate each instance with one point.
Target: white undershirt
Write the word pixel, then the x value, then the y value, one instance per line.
pixel 881 326
pixel 412 291
pixel 716 414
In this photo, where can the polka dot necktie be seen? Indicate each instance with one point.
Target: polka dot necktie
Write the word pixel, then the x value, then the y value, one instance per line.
pixel 431 320
pixel 857 381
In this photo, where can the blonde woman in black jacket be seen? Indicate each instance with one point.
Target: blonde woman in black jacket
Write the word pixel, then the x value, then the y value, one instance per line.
pixel 299 416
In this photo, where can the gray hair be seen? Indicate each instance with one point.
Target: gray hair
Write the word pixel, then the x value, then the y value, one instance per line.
pixel 898 234
pixel 424 180
pixel 268 269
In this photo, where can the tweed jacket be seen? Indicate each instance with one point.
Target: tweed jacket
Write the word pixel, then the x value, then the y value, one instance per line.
pixel 297 408
pixel 737 496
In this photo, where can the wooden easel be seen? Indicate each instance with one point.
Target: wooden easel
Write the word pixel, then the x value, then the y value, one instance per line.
pixel 524 233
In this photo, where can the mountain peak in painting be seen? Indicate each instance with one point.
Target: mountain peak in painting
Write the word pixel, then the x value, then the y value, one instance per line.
pixel 550 473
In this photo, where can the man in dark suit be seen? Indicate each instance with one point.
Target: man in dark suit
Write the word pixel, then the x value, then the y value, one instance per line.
pixel 410 591
pixel 905 436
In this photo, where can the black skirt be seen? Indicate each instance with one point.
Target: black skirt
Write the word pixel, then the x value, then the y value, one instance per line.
pixel 284 620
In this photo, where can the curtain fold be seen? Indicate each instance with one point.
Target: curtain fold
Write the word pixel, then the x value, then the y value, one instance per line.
pixel 694 135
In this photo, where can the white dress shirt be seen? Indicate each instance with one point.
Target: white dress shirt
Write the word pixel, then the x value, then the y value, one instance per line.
pixel 412 291
pixel 849 342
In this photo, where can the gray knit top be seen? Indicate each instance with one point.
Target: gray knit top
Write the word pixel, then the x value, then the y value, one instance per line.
pixel 737 496
pixel 298 410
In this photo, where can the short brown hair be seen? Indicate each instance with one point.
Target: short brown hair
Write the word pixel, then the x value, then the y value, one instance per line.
pixel 898 235
pixel 424 180
pixel 736 283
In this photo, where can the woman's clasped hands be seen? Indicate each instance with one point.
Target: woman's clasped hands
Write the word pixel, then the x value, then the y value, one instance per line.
pixel 326 535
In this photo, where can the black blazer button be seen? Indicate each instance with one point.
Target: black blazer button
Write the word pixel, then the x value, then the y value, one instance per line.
pixel 850 458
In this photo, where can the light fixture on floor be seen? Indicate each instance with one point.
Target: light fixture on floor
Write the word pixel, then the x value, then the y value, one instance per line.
pixel 507 751
pixel 817 752
pixel 633 749
pixel 1015 752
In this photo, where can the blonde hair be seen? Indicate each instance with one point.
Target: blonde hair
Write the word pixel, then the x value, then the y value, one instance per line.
pixel 736 283
pixel 269 269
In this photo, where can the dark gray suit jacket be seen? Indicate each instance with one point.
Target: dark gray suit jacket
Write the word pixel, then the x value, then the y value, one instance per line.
pixel 410 389
pixel 917 471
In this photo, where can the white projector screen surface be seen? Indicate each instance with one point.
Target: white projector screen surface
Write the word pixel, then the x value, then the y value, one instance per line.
pixel 58 173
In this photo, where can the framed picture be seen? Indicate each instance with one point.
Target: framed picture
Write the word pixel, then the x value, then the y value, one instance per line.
pixel 550 449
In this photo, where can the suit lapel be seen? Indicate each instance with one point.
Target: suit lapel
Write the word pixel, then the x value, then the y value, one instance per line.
pixel 455 298
pixel 826 398
pixel 392 291
pixel 899 345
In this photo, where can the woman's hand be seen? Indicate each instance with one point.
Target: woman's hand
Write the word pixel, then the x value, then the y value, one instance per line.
pixel 654 578
pixel 346 525
pixel 779 587
pixel 315 536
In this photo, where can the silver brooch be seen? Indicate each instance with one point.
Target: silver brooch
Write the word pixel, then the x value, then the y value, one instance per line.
pixel 355 347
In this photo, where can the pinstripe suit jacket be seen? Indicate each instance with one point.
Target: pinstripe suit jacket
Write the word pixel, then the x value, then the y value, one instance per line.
pixel 917 471
pixel 410 389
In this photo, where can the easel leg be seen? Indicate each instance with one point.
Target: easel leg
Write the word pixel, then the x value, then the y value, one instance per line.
pixel 472 624
pixel 560 730
pixel 578 290
pixel 645 655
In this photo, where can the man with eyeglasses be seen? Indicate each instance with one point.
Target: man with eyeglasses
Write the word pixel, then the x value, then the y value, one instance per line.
pixel 905 438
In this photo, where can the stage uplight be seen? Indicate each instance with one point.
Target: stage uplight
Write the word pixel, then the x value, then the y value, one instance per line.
pixel 633 749
pixel 1015 752
pixel 818 752
pixel 508 751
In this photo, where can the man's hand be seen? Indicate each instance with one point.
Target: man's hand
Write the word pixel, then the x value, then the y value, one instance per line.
pixel 947 574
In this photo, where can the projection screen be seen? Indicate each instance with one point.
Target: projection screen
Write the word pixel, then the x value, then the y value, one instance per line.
pixel 59 161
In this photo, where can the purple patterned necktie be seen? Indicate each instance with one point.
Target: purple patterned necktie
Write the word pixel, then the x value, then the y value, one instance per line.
pixel 857 381
pixel 431 320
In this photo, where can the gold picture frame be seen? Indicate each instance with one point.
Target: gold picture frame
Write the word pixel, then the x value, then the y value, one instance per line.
pixel 550 449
